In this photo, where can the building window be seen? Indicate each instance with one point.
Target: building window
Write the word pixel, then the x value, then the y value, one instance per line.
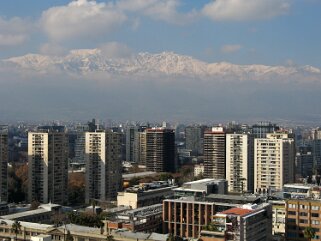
pixel 315 207
pixel 291 205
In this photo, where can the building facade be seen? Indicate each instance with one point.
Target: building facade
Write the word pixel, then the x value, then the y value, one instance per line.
pixel 4 163
pixel 302 214
pixel 48 165
pixel 239 163
pixel 194 136
pixel 103 165
pixel 214 153
pixel 160 150
pixel 274 161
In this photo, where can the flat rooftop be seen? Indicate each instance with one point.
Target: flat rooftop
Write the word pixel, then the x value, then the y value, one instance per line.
pixel 205 180
pixel 25 214
pixel 237 211
pixel 138 174
pixel 243 198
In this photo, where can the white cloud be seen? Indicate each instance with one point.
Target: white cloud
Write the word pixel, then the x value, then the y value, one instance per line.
pixel 80 19
pixel 230 48
pixel 116 50
pixel 14 31
pixel 239 10
pixel 165 10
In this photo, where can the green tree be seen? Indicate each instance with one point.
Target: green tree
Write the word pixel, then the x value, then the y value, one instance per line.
pixel 309 233
pixel 16 228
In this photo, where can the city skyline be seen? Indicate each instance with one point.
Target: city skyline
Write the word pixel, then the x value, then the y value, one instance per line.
pixel 153 60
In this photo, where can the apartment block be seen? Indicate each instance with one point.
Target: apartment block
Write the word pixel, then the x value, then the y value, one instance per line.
pixel 214 153
pixel 239 163
pixel 302 214
pixel 160 150
pixel 4 163
pixel 245 223
pixel 48 165
pixel 103 165
pixel 274 161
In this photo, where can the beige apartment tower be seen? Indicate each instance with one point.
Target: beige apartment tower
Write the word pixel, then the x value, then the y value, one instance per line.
pixel 48 165
pixel 274 158
pixel 103 165
pixel 4 163
pixel 214 153
pixel 239 163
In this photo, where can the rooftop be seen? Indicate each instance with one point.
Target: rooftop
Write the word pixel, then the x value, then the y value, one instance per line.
pixel 237 211
pixel 25 214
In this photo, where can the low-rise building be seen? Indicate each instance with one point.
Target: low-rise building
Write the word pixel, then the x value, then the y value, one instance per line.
pixel 144 219
pixel 245 223
pixel 187 216
pixel 202 187
pixel 145 194
pixel 43 214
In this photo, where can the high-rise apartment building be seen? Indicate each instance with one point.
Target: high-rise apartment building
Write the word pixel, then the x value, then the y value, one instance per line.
pixel 239 163
pixel 4 163
pixel 194 137
pixel 274 159
pixel 103 165
pixel 260 129
pixel 48 165
pixel 214 153
pixel 130 142
pixel 140 148
pixel 160 150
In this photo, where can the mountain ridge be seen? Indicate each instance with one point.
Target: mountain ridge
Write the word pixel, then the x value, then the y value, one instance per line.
pixel 85 61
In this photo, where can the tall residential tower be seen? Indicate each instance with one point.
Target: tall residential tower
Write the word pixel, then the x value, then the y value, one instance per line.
pixel 48 165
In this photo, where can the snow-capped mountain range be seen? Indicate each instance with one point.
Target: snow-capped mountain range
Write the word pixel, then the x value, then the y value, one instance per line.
pixel 86 61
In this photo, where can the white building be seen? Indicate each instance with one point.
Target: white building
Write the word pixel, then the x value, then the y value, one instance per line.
pixel 48 165
pixel 239 163
pixel 198 170
pixel 274 159
pixel 103 165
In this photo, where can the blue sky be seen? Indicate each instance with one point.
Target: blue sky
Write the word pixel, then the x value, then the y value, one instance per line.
pixel 288 34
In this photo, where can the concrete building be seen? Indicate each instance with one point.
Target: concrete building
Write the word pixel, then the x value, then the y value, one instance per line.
pixel 130 142
pixel 304 162
pixel 30 231
pixel 160 150
pixel 244 223
pixel 198 169
pixel 145 194
pixel 103 165
pixel 214 153
pixel 274 159
pixel 239 163
pixel 140 148
pixel 300 214
pixel 48 165
pixel 202 187
pixel 187 216
pixel 4 163
pixel 261 129
pixel 194 137
pixel 144 219
pixel 278 219
pixel 302 191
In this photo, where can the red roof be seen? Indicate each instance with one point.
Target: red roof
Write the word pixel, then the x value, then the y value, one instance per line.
pixel 237 211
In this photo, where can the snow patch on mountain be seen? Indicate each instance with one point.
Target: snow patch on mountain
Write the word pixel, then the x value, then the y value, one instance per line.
pixel 85 61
